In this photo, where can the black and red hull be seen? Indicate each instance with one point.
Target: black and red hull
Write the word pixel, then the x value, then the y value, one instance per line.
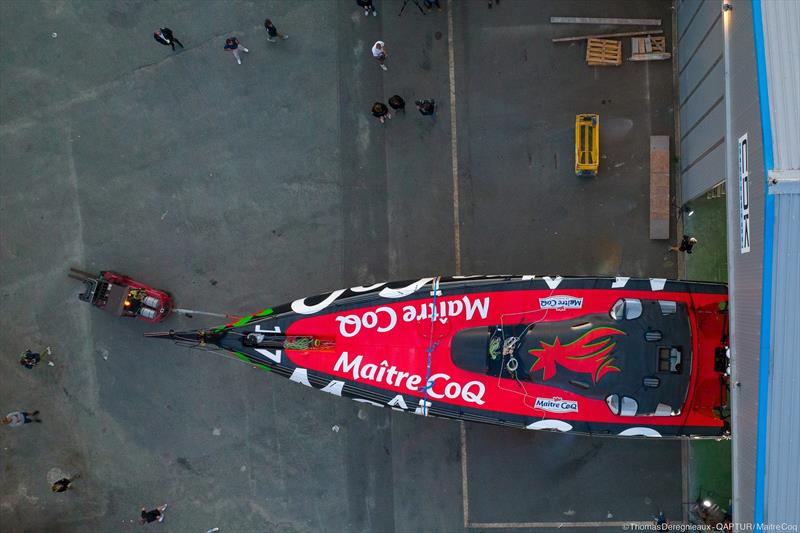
pixel 610 356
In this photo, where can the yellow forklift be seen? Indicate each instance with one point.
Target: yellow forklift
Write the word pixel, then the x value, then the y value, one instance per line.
pixel 587 144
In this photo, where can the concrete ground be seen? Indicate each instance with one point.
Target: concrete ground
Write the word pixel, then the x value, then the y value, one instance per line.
pixel 237 187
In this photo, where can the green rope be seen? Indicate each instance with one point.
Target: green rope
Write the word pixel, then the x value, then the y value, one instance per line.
pixel 299 343
pixel 494 348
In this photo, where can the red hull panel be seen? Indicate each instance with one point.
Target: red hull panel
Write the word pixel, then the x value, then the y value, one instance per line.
pixel 386 346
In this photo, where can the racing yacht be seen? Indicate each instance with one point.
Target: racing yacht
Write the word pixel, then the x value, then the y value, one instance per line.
pixel 603 356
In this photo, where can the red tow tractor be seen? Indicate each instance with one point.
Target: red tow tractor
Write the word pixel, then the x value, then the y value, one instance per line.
pixel 123 296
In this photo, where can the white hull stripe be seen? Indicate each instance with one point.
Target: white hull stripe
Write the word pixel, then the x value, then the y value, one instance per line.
pixel 559 425
pixel 405 291
pixel 335 388
pixel 300 375
pixel 299 306
pixel 553 282
pixel 640 432
pixel 270 355
pixel 620 282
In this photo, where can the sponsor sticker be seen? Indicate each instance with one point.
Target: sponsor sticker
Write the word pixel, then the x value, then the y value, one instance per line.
pixel 439 385
pixel 744 197
pixel 556 405
pixel 559 303
pixel 385 318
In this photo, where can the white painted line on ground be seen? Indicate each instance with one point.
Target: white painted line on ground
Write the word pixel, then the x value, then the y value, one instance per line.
pixel 453 139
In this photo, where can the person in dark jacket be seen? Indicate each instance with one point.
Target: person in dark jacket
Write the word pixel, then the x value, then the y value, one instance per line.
pixel 368 7
pixel 397 103
pixel 63 484
pixel 381 112
pixel 426 107
pixel 29 359
pixel 686 245
pixel 153 514
pixel 273 32
pixel 165 37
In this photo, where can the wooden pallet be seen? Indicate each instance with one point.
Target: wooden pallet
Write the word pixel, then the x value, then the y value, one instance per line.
pixel 648 45
pixel 649 48
pixel 603 52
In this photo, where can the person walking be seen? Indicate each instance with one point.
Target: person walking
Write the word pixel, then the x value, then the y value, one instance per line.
pixel 686 245
pixel 379 52
pixel 381 112
pixel 29 359
pixel 233 45
pixel 18 418
pixel 430 3
pixel 63 484
pixel 397 103
pixel 152 515
pixel 426 107
pixel 273 32
pixel 368 7
pixel 165 37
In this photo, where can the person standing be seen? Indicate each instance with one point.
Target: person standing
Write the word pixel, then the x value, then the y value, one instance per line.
pixel 381 112
pixel 29 359
pixel 153 514
pixel 273 32
pixel 430 3
pixel 397 103
pixel 686 245
pixel 379 52
pixel 368 7
pixel 63 484
pixel 426 107
pixel 18 418
pixel 233 45
pixel 165 37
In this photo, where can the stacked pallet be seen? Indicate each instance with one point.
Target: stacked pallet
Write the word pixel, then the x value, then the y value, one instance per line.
pixel 649 48
pixel 603 52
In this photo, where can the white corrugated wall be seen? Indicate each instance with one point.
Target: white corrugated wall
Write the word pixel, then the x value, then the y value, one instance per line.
pixel 781 22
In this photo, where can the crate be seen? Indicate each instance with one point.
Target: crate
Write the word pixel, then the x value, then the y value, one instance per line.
pixel 649 48
pixel 648 45
pixel 603 52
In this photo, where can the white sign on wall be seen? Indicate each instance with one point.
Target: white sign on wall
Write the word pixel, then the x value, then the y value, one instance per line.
pixel 744 197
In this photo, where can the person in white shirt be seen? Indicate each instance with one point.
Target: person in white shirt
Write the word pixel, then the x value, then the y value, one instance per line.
pixel 19 418
pixel 379 53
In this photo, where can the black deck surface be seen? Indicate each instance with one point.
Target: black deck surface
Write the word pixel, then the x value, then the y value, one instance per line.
pixel 634 356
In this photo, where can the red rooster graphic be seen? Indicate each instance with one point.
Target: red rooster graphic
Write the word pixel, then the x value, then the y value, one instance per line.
pixel 587 354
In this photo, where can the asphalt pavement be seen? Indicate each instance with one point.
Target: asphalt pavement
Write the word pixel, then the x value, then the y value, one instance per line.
pixel 238 187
